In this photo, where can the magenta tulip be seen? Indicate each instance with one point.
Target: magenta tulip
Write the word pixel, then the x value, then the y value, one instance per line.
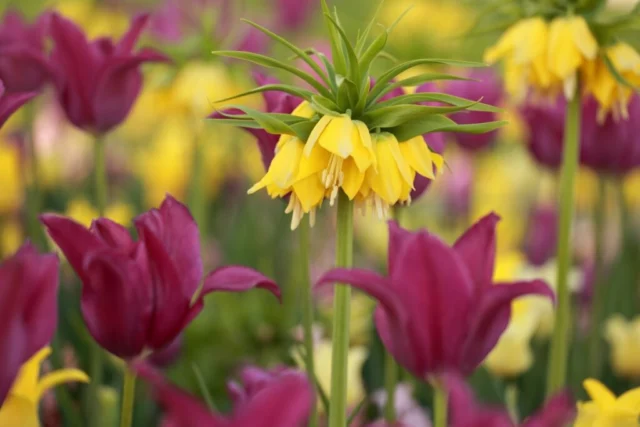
pixel 294 14
pixel 283 399
pixel 545 132
pixel 98 81
pixel 439 310
pixel 28 309
pixel 465 411
pixel 24 66
pixel 542 235
pixel 137 296
pixel 11 102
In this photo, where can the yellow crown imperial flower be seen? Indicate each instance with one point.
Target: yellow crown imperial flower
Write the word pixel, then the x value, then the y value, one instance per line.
pixel 605 409
pixel 21 406
pixel 346 137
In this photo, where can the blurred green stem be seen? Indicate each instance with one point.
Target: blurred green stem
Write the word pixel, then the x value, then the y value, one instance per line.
pixel 95 352
pixel 32 182
pixel 197 197
pixel 598 299
pixel 511 400
pixel 391 370
pixel 341 306
pixel 128 398
pixel 440 405
pixel 557 371
pixel 307 311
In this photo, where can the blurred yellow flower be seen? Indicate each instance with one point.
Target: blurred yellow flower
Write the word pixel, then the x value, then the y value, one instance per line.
pixel 624 339
pixel 11 178
pixel 12 238
pixel 21 406
pixel 357 357
pixel 605 410
pixel 609 92
pixel 95 19
pixel 84 212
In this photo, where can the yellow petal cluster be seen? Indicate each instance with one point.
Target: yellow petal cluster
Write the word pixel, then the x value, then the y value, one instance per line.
pixel 624 339
pixel 544 56
pixel 612 95
pixel 21 406
pixel 373 169
pixel 605 409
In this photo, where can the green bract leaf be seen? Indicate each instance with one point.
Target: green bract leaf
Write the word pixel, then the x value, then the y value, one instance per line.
pixel 292 90
pixel 415 81
pixel 354 67
pixel 295 49
pixel 616 74
pixel 268 122
pixel 362 39
pixel 336 49
pixel 388 117
pixel 324 106
pixel 436 97
pixel 268 62
pixel 384 79
pixel 347 95
pixel 439 123
pixel 372 53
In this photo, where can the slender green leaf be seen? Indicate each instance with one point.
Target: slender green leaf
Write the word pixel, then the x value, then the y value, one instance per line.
pixel 202 385
pixel 292 90
pixel 240 123
pixel 397 21
pixel 384 79
pixel 336 50
pixel 616 74
pixel 435 97
pixel 362 39
pixel 295 49
pixel 397 115
pixel 439 123
pixel 354 67
pixel 324 106
pixel 331 71
pixel 285 118
pixel 372 52
pixel 304 129
pixel 267 121
pixel 356 411
pixel 268 62
pixel 347 95
pixel 415 81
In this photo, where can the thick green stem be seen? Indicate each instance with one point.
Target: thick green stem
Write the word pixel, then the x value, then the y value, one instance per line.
pixel 197 196
pixel 557 371
pixel 307 311
pixel 511 400
pixel 128 398
pixel 341 306
pixel 598 300
pixel 440 405
pixel 95 352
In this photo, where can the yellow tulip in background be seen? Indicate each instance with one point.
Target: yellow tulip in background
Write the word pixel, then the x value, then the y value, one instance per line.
pixel 607 410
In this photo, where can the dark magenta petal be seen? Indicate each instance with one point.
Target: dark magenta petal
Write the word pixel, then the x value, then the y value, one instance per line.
pixel 464 410
pixel 235 278
pixel 369 282
pixel 116 91
pixel 112 233
pixel 397 237
pixel 397 339
pixel 9 103
pixel 130 38
pixel 542 235
pixel 490 318
pixel 181 409
pixel 286 401
pixel 477 248
pixel 116 282
pixel 559 411
pixel 177 232
pixel 73 239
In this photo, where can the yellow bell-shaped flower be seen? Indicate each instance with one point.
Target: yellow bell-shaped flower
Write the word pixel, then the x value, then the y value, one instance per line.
pixel 624 338
pixel 605 410
pixel 21 406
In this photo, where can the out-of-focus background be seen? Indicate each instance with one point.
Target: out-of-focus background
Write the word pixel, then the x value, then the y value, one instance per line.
pixel 166 146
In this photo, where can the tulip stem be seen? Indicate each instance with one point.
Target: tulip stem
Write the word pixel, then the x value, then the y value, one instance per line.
pixel 95 352
pixel 341 301
pixel 307 312
pixel 32 182
pixel 128 398
pixel 598 295
pixel 511 400
pixel 440 405
pixel 391 370
pixel 557 372
pixel 197 197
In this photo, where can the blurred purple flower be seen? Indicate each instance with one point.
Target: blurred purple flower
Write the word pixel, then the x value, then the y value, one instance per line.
pixel 465 411
pixel 458 186
pixel 139 296
pixel 24 66
pixel 168 355
pixel 293 15
pixel 10 102
pixel 439 310
pixel 542 235
pixel 545 131
pixel 28 309
pixel 97 82
pixel 284 399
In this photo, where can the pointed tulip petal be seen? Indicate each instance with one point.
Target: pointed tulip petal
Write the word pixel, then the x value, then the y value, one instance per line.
pixel 477 248
pixel 129 40
pixel 464 409
pixel 9 103
pixel 397 237
pixel 238 279
pixel 112 233
pixel 559 411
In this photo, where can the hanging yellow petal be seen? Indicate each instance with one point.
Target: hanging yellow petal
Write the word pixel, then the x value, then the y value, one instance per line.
pixel 601 395
pixel 310 192
pixel 353 178
pixel 337 137
pixel 418 156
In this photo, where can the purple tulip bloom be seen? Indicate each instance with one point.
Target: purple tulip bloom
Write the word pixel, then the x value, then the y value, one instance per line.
pixel 465 411
pixel 284 399
pixel 138 296
pixel 439 310
pixel 98 81
pixel 293 15
pixel 23 64
pixel 542 235
pixel 10 102
pixel 545 131
pixel 28 309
